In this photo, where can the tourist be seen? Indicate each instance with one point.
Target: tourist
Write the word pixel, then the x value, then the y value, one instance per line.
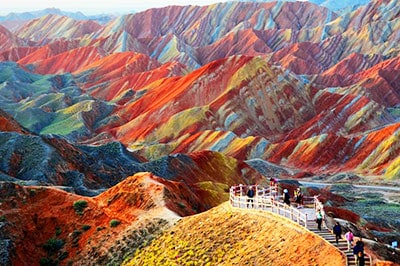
pixel 319 218
pixel 349 238
pixel 360 242
pixel 337 230
pixel 358 252
pixel 250 196
pixel 286 197
pixel 271 182
pixel 298 196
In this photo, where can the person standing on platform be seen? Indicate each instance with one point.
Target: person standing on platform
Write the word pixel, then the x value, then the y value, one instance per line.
pixel 250 196
pixel 298 197
pixel 286 197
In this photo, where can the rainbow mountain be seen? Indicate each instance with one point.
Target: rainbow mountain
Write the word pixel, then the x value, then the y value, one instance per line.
pixel 289 84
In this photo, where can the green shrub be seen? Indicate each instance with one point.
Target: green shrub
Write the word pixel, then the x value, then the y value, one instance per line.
pixel 181 205
pixel 53 245
pixel 86 227
pixel 80 206
pixel 63 255
pixel 99 228
pixel 76 233
pixel 47 262
pixel 58 231
pixel 114 222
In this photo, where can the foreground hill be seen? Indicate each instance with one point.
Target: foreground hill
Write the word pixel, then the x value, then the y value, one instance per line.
pixel 228 236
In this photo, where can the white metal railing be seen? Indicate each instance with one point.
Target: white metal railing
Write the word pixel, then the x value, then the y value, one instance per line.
pixel 265 199
pixel 319 206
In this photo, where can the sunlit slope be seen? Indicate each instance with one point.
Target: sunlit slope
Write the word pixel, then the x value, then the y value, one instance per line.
pixel 238 94
pixel 229 236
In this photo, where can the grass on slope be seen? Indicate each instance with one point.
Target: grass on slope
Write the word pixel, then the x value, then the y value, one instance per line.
pixel 69 119
pixel 229 236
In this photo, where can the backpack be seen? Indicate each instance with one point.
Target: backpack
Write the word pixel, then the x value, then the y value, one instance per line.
pixel 250 193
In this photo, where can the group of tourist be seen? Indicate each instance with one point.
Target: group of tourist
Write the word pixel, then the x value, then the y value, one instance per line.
pixel 286 197
pixel 298 197
pixel 358 248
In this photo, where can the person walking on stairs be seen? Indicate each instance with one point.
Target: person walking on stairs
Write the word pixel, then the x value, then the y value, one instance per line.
pixel 337 230
pixel 349 238
pixel 318 219
pixel 358 252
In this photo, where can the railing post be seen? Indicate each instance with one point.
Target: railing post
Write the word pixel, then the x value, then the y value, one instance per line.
pixel 305 225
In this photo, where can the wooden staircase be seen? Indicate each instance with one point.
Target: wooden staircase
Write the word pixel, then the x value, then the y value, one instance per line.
pixel 342 245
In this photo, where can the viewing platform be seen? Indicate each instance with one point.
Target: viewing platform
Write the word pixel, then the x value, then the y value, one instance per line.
pixel 268 199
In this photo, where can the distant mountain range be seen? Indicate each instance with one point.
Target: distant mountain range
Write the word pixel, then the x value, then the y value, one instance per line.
pixel 330 4
pixel 13 20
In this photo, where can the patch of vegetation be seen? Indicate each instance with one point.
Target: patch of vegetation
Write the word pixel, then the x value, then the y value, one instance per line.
pixel 132 239
pixel 53 245
pixel 76 235
pixel 3 218
pixel 114 222
pixel 80 206
pixel 32 192
pixel 377 211
pixel 181 205
pixel 58 231
pixel 99 228
pixel 85 227
pixel 341 187
pixel 371 195
pixel 47 262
